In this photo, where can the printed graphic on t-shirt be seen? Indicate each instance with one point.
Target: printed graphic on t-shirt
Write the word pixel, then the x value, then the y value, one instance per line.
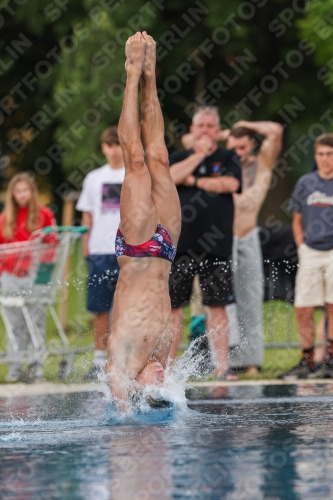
pixel 111 197
pixel 318 199
pixel 216 169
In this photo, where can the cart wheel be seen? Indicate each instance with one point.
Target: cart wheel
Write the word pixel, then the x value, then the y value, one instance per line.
pixel 63 369
pixel 69 367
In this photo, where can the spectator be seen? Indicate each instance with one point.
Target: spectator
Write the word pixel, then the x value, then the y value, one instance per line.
pixel 312 205
pixel 22 215
pixel 100 203
pixel 248 275
pixel 248 271
pixel 206 177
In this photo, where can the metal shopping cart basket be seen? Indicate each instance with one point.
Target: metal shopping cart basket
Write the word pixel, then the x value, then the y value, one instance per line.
pixel 31 273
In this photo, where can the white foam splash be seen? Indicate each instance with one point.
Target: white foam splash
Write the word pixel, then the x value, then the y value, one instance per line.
pixel 192 363
pixel 13 436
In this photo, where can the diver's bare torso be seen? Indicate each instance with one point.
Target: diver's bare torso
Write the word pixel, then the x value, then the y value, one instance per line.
pixel 142 310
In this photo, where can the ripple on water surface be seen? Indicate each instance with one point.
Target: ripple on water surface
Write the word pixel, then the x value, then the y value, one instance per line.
pixel 232 442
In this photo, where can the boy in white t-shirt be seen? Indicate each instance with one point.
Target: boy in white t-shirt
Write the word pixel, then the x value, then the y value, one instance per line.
pixel 100 203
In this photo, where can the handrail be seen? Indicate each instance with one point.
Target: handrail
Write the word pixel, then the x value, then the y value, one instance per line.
pixel 65 229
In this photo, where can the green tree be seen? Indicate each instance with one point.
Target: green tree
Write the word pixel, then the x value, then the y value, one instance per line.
pixel 93 67
pixel 317 26
pixel 29 68
pixel 207 53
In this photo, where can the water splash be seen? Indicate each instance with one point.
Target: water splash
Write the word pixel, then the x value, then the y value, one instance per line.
pixel 10 438
pixel 193 363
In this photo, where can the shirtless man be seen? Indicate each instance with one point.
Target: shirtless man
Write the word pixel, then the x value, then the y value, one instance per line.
pixel 149 230
pixel 248 273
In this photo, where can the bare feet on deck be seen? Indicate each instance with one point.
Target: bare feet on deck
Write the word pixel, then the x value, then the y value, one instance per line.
pixel 152 374
pixel 252 370
pixel 135 53
pixel 149 61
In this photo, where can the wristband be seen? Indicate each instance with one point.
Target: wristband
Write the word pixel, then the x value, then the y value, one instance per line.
pixel 195 183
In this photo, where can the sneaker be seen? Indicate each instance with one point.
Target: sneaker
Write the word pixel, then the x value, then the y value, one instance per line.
pixel 301 371
pixel 11 378
pixel 328 369
pixel 92 373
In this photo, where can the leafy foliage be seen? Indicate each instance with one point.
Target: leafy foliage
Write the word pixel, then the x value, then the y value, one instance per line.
pixel 207 53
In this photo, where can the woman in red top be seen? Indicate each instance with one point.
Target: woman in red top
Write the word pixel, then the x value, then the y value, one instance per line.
pixel 22 215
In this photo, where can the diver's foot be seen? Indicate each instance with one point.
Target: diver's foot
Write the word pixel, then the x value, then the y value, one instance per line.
pixel 149 61
pixel 135 53
pixel 152 374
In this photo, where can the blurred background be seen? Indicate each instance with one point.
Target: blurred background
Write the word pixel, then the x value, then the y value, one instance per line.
pixel 62 80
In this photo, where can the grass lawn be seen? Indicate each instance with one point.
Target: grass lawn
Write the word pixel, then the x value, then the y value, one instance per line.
pixel 279 327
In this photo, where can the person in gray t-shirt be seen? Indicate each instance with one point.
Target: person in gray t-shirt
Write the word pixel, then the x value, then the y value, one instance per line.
pixel 312 205
pixel 313 199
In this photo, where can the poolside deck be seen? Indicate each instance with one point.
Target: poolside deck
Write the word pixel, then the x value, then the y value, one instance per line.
pixel 14 390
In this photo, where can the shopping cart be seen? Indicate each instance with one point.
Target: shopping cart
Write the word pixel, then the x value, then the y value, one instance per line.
pixel 31 274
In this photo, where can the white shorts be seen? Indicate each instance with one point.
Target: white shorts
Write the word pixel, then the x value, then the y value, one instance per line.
pixel 314 279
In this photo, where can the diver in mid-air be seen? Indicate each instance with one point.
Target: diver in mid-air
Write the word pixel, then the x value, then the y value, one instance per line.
pixel 150 223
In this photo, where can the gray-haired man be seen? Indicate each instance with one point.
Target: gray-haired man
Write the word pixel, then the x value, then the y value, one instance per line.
pixel 206 176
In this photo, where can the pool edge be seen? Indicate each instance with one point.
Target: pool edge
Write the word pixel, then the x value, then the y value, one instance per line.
pixel 15 390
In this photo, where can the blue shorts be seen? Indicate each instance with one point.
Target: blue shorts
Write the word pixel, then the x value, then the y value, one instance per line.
pixel 103 271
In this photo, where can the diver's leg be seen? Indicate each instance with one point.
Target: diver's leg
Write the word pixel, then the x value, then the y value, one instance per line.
pixel 137 212
pixel 164 193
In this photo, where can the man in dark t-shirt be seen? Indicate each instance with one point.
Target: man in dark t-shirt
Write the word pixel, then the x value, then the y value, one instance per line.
pixel 205 176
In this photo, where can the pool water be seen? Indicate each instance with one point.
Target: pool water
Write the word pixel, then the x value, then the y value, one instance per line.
pixel 238 442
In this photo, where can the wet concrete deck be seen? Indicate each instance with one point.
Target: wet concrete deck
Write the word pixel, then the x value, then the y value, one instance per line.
pixel 13 390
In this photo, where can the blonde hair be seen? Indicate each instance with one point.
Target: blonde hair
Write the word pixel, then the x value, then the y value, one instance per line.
pixel 209 110
pixel 11 207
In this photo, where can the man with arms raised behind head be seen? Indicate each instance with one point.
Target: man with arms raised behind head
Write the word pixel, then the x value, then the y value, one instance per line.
pixel 248 272
pixel 247 268
pixel 205 176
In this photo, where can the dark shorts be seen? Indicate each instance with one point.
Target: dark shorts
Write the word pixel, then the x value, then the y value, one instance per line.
pixel 103 271
pixel 215 281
